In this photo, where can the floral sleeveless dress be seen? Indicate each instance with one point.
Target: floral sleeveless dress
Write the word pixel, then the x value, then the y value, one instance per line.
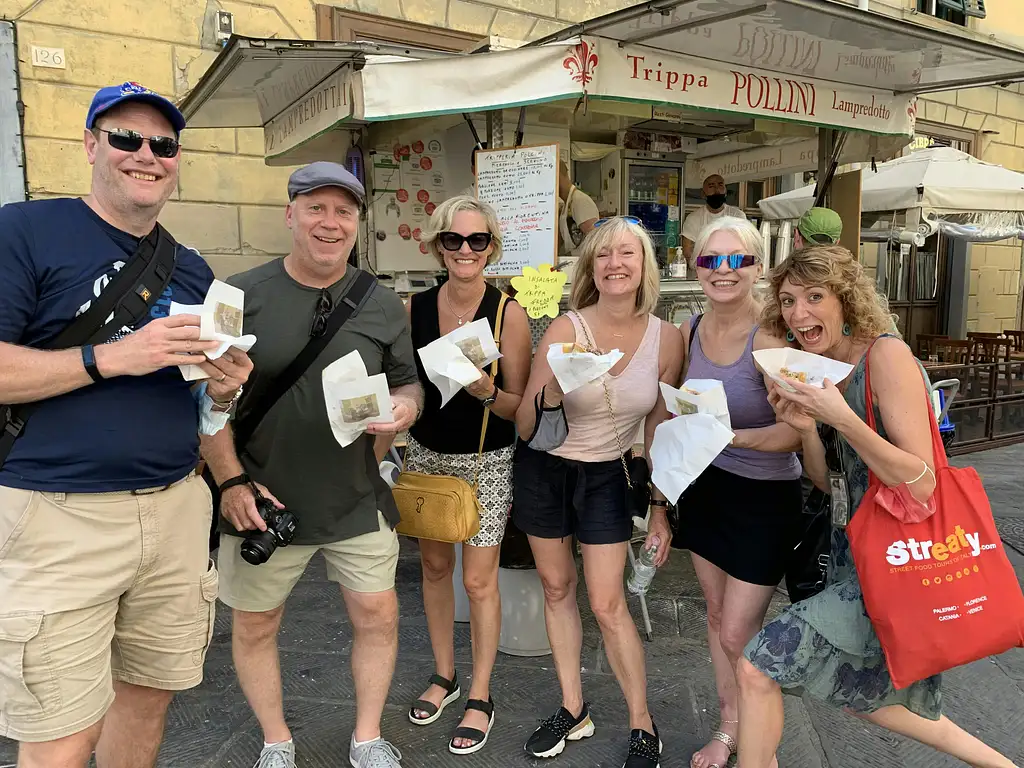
pixel 825 645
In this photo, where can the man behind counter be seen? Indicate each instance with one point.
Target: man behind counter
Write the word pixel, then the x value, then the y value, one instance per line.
pixel 714 199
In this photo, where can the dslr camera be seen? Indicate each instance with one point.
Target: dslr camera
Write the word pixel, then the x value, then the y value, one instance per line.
pixel 258 546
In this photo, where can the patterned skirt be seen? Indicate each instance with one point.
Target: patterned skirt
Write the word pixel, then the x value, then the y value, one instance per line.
pixel 495 483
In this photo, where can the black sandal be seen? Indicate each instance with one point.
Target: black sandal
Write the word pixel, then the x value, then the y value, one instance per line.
pixel 452 692
pixel 479 737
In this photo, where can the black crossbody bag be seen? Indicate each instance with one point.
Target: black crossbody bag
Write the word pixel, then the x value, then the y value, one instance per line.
pixel 127 299
pixel 260 401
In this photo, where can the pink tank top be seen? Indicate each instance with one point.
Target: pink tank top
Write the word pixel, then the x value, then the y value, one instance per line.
pixel 633 392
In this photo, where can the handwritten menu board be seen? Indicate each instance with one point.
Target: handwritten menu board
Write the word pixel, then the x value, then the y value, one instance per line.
pixel 521 184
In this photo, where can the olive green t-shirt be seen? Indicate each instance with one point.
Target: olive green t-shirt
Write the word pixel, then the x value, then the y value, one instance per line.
pixel 334 492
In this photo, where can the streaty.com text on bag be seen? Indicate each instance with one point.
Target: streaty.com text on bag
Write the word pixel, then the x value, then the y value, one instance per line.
pixel 901 552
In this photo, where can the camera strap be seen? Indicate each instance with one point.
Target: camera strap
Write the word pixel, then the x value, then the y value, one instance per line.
pixel 125 301
pixel 256 407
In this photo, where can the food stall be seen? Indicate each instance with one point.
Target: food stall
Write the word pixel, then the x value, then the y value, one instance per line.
pixel 658 82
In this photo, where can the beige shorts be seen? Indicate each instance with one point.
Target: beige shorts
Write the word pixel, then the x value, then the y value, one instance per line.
pixel 95 588
pixel 365 563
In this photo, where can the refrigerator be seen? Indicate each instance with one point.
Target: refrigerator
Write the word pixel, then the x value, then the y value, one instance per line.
pixel 653 190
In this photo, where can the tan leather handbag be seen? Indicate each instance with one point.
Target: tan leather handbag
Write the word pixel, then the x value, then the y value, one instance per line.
pixel 442 507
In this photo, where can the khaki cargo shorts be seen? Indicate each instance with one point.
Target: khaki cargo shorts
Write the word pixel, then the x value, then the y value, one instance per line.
pixel 95 588
pixel 365 563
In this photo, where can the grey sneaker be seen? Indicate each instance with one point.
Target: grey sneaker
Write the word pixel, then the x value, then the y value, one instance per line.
pixel 377 754
pixel 277 756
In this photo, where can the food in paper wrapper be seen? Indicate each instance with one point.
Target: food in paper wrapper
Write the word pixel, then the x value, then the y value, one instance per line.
pixel 698 396
pixel 574 366
pixel 569 348
pixel 220 319
pixel 354 399
pixel 786 364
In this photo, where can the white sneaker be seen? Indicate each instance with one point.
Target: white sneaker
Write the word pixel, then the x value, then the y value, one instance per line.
pixel 375 754
pixel 280 755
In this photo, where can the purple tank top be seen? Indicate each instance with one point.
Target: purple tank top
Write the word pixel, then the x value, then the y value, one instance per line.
pixel 748 409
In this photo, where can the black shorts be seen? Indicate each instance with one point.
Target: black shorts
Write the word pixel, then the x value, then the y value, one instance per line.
pixel 555 498
pixel 746 527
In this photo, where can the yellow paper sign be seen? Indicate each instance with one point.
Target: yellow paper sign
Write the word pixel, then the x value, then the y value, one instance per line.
pixel 538 291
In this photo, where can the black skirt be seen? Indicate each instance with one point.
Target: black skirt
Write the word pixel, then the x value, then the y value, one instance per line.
pixel 748 528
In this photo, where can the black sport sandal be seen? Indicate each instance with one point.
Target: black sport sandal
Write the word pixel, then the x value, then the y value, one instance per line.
pixel 479 737
pixel 452 692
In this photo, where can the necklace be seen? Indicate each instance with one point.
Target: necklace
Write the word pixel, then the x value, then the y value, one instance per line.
pixel 472 306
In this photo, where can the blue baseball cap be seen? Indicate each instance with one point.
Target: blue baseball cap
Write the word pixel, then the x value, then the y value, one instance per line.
pixel 109 97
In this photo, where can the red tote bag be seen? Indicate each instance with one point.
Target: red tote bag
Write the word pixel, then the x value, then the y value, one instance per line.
pixel 941 592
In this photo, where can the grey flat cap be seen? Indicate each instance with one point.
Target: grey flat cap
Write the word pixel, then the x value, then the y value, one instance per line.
pixel 324 174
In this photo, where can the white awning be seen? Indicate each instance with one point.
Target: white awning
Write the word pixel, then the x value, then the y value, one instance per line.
pixel 791 60
pixel 939 181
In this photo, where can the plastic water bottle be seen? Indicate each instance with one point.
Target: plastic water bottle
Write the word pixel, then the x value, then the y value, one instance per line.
pixel 643 569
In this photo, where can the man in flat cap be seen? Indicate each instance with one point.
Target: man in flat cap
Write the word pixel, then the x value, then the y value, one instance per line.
pixel 106 592
pixel 286 451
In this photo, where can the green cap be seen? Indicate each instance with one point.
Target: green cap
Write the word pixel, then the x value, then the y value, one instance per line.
pixel 820 226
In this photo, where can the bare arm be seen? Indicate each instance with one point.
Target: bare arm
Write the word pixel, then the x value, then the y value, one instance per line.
pixel 29 375
pixel 670 364
pixel 514 364
pixel 814 460
pixel 588 226
pixel 779 437
pixel 541 377
pixel 220 455
pixel 898 390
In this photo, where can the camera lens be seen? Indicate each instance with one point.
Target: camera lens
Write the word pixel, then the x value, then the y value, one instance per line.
pixel 258 548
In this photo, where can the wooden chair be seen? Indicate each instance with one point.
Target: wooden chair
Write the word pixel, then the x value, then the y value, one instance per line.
pixel 926 344
pixel 954 351
pixel 988 349
pixel 1016 339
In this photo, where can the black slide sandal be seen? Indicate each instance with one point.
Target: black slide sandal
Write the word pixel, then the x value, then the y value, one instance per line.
pixel 452 692
pixel 479 737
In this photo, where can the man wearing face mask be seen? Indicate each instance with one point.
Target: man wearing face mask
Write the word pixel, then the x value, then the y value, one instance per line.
pixel 714 198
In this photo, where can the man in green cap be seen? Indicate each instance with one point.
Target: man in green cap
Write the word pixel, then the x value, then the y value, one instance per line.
pixel 819 226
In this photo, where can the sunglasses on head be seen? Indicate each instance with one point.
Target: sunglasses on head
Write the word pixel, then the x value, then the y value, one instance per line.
pixel 132 141
pixel 628 219
pixel 452 241
pixel 734 260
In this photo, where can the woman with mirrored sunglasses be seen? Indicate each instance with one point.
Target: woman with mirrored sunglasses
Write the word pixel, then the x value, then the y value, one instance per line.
pixel 581 483
pixel 464 237
pixel 739 518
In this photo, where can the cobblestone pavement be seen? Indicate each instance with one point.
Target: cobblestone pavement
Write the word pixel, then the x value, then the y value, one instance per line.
pixel 211 726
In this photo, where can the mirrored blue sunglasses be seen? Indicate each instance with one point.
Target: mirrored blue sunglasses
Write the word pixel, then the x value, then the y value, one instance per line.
pixel 627 219
pixel 734 260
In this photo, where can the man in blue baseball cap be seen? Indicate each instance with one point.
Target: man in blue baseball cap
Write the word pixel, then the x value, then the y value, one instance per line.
pixel 108 592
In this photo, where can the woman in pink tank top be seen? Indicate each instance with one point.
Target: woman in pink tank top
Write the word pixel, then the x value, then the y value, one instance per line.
pixel 576 483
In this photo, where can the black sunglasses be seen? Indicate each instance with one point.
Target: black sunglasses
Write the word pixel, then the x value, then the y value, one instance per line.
pixel 324 307
pixel 452 241
pixel 132 141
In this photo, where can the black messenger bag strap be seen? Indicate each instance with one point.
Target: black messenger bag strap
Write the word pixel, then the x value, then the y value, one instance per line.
pixel 263 400
pixel 127 298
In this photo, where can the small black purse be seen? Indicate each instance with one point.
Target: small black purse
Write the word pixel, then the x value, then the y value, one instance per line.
pixel 807 568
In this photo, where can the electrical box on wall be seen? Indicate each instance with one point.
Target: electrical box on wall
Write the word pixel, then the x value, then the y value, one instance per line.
pixel 225 26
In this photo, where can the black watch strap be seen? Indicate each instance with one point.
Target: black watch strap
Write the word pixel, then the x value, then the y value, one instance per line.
pixel 242 479
pixel 89 361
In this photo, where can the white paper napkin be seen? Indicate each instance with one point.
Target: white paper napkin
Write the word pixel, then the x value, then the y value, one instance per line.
pixel 447 367
pixel 684 447
pixel 814 368
pixel 698 396
pixel 221 311
pixel 573 369
pixel 476 340
pixel 354 399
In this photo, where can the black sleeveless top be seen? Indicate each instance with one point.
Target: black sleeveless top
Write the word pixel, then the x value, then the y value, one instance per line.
pixel 456 427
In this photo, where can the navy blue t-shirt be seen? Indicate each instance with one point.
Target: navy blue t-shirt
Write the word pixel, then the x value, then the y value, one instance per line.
pixel 123 433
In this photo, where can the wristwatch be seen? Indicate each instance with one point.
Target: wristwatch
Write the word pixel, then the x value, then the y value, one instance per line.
pixel 89 361
pixel 491 398
pixel 659 503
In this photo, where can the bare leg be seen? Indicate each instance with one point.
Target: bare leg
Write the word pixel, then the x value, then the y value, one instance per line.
pixel 438 561
pixel 254 650
pixel 69 752
pixel 374 617
pixel 133 728
pixel 480 576
pixel 740 613
pixel 603 565
pixel 557 571
pixel 761 717
pixel 942 734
